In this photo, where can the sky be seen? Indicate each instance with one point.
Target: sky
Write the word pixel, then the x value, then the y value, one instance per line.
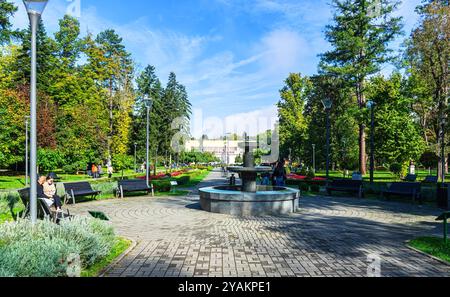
pixel 232 55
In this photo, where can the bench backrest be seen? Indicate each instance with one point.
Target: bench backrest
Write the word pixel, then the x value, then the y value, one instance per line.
pixel 431 179
pixel 411 177
pixel 133 184
pixel 348 183
pixel 24 196
pixel 80 186
pixel 405 187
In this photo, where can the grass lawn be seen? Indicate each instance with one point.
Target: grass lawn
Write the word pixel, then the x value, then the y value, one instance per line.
pixel 433 246
pixel 120 247
pixel 381 176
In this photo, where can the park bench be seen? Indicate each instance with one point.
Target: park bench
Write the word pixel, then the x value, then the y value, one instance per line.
pixel 431 179
pixel 55 216
pixel 410 178
pixel 80 189
pixel 346 185
pixel 135 185
pixel 403 189
pixel 43 210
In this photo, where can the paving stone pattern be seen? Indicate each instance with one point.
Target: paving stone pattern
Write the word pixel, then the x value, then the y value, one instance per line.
pixel 332 237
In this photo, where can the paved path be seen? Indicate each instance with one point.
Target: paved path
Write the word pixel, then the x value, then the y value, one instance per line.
pixel 328 237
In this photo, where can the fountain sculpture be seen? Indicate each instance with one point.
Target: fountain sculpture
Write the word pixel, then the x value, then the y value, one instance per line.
pixel 249 199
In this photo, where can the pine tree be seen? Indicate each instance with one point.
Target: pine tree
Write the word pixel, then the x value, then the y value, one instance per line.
pixel 360 36
pixel 7 10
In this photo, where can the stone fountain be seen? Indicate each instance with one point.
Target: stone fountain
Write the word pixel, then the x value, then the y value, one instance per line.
pixel 249 199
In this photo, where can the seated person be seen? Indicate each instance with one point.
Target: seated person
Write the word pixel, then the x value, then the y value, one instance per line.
pixel 49 192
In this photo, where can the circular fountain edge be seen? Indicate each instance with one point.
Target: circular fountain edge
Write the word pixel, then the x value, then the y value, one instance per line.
pixel 231 201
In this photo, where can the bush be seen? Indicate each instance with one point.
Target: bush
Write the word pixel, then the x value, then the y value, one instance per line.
pixel 304 187
pixel 161 185
pixel 315 188
pixel 183 180
pixel 43 250
pixel 396 168
pixel 311 175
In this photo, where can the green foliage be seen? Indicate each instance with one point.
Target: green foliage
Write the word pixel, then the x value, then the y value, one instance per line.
pixel 293 125
pixel 433 246
pixel 197 157
pixel 50 160
pixel 429 159
pixel 315 188
pixel 396 168
pixel 44 249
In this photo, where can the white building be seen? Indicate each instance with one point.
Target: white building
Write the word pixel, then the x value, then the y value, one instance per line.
pixel 226 150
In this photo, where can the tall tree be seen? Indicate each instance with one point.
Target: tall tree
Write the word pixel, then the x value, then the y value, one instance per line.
pixel 428 55
pixel 360 36
pixel 293 125
pixel 7 10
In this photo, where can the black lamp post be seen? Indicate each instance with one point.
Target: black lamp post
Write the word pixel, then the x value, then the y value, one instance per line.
pixel 372 105
pixel 327 104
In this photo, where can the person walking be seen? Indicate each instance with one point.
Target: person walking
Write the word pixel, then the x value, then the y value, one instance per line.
pixel 94 171
pixel 110 171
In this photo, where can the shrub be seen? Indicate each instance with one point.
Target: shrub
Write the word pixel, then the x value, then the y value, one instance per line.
pixel 311 174
pixel 183 180
pixel 43 250
pixel 396 168
pixel 303 172
pixel 304 187
pixel 161 185
pixel 315 188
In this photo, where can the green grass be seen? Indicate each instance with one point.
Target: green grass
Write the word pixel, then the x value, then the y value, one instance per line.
pixel 380 176
pixel 433 246
pixel 120 247
pixel 196 178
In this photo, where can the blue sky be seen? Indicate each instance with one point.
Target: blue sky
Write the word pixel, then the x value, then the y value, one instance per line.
pixel 232 55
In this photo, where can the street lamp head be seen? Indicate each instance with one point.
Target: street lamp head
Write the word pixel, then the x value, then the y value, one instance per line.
pixel 327 103
pixel 148 102
pixel 35 6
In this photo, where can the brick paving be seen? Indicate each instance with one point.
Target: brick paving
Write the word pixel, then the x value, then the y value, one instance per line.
pixel 332 237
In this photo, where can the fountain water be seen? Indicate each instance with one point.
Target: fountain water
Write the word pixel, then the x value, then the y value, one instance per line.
pixel 249 199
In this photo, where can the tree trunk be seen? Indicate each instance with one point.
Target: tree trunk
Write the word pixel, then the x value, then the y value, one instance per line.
pixel 362 130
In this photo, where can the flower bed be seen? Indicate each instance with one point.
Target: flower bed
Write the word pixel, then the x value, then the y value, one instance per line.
pixel 304 178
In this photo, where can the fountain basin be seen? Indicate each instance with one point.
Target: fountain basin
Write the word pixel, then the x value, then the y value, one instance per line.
pixel 232 200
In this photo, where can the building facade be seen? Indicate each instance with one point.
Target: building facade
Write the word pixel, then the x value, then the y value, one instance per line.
pixel 226 150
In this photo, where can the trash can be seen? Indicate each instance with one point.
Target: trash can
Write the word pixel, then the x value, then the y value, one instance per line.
pixel 443 196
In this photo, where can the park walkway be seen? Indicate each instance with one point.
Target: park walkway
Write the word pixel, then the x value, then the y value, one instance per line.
pixel 328 237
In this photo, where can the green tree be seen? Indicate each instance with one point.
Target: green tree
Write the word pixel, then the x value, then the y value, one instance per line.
pixel 360 36
pixel 428 56
pixel 7 10
pixel 397 135
pixel 293 125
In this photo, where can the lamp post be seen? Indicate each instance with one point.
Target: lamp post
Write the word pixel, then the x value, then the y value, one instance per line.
pixel 135 156
pixel 27 123
pixel 314 157
pixel 148 105
pixel 442 136
pixel 34 8
pixel 327 104
pixel 371 105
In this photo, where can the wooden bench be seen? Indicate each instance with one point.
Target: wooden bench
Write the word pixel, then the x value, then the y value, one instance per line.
pixel 135 185
pixel 80 189
pixel 346 185
pixel 403 189
pixel 431 179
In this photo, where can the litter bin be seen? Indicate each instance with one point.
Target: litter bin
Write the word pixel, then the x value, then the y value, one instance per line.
pixel 443 196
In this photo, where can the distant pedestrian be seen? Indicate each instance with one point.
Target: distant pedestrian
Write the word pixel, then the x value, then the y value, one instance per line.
pixel 94 171
pixel 110 171
pixel 280 175
pixel 100 170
